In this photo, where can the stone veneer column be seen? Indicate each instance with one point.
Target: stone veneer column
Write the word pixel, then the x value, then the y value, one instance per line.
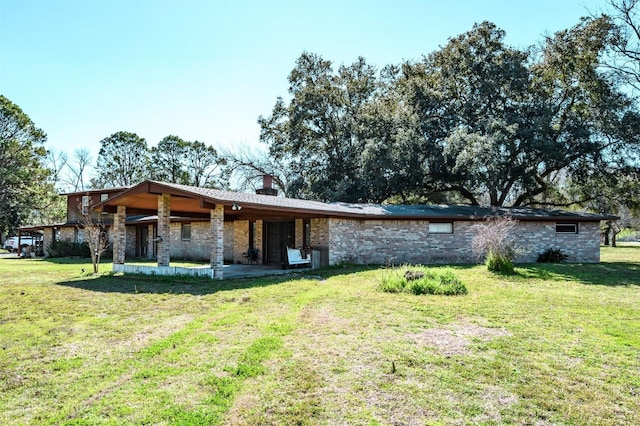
pixel 164 242
pixel 150 241
pixel 258 241
pixel 48 236
pixel 217 241
pixel 119 235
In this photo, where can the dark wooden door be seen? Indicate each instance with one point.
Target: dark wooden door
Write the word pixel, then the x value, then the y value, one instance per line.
pixel 143 241
pixel 278 235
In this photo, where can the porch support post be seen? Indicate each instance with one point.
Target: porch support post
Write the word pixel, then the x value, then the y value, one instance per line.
pixel 150 241
pixel 217 241
pixel 119 235
pixel 164 237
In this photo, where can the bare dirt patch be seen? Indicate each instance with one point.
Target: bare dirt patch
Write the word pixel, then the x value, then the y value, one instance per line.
pixel 456 338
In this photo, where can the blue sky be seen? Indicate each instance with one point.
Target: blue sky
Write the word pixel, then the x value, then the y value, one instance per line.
pixel 205 70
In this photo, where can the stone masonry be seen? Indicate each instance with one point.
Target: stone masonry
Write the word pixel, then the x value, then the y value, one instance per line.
pixel 217 246
pixel 299 233
pixel 119 235
pixel 164 235
pixel 197 248
pixel 409 241
pixel 240 240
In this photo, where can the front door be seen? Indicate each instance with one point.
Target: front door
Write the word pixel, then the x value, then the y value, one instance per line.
pixel 143 241
pixel 278 235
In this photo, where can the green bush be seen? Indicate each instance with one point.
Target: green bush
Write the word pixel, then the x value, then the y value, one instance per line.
pixel 421 281
pixel 499 264
pixel 67 249
pixel 628 234
pixel 552 256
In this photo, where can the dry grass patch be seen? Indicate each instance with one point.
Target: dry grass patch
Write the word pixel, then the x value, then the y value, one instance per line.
pixel 455 339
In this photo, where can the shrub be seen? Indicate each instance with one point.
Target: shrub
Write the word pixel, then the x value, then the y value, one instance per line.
pixel 552 256
pixel 424 281
pixel 499 263
pixel 67 249
pixel 496 241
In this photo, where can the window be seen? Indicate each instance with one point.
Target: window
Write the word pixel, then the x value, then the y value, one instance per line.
pixel 441 227
pixel 567 228
pixel 186 231
pixel 86 201
pixel 103 197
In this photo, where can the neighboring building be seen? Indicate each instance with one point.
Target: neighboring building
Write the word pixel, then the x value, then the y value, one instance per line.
pixel 157 220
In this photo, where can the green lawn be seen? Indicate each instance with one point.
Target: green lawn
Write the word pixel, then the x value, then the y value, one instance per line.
pixel 554 344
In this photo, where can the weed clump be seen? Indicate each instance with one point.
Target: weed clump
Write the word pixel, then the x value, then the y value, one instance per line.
pixel 419 280
pixel 552 256
pixel 499 263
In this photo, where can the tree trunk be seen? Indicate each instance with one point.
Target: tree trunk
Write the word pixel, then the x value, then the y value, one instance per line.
pixel 606 237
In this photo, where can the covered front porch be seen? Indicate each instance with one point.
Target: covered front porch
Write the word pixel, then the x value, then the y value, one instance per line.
pixel 226 228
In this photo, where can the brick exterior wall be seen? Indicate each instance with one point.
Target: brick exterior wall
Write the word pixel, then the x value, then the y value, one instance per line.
pixel 402 241
pixel 240 240
pixel 320 240
pixel 228 242
pixel 68 233
pixel 197 248
pixel 583 247
pixel 74 206
pixel 299 233
pixel 130 245
pixel 380 242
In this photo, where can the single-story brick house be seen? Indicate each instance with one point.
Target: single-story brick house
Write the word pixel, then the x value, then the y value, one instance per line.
pixel 164 220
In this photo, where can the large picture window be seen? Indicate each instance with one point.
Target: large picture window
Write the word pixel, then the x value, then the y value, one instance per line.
pixel 186 231
pixel 441 227
pixel 567 228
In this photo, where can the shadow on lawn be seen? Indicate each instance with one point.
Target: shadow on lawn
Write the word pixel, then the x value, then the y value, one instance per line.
pixel 197 286
pixel 605 273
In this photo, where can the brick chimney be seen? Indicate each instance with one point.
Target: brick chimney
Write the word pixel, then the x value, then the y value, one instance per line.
pixel 267 186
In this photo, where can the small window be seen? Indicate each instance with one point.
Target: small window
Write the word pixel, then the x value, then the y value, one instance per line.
pixel 86 201
pixel 103 197
pixel 567 228
pixel 186 231
pixel 441 228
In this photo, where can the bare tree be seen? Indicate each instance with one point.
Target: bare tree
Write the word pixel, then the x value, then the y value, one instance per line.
pixel 246 165
pixel 625 61
pixel 95 235
pixel 77 168
pixel 56 161
pixel 495 241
